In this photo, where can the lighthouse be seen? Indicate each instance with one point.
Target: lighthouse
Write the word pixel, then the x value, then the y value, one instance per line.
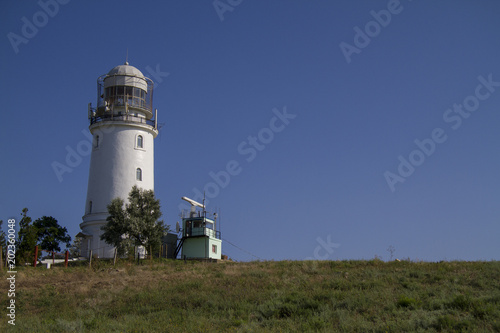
pixel 123 127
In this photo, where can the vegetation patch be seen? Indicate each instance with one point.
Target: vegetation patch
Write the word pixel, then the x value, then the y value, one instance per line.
pixel 287 296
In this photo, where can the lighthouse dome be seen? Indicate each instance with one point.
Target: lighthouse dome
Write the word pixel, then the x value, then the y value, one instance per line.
pixel 125 75
pixel 125 69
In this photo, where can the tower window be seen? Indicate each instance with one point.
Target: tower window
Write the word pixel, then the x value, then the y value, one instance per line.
pixel 90 207
pixel 214 248
pixel 138 174
pixel 96 141
pixel 140 141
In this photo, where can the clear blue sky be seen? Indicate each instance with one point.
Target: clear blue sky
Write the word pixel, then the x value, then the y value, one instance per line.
pixel 318 178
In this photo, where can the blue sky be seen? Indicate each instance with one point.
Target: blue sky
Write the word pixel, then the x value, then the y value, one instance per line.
pixel 317 185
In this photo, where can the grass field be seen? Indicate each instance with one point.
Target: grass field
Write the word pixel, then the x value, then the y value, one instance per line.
pixel 282 296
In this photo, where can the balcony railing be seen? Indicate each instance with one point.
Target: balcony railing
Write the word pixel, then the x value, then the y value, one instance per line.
pixel 129 101
pixel 124 118
pixel 194 232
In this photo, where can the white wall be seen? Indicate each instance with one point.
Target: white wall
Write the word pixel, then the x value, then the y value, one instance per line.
pixel 112 172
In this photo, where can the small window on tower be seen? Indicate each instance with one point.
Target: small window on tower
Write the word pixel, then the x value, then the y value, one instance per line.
pixel 139 141
pixel 138 174
pixel 214 248
pixel 96 141
pixel 90 207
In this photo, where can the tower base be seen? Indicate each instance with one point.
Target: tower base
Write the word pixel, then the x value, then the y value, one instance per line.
pixel 92 245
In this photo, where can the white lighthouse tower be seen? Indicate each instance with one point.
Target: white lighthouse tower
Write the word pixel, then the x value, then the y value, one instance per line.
pixel 123 130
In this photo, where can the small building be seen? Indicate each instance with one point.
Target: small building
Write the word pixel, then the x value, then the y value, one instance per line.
pixel 168 244
pixel 200 238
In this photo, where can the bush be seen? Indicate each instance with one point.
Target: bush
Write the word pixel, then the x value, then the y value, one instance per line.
pixel 407 302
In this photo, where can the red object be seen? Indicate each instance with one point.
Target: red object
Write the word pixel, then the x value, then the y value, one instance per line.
pixel 36 256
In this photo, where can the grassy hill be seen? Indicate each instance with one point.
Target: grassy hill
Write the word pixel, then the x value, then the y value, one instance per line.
pixel 286 296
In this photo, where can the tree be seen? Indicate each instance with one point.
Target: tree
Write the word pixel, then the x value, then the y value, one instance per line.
pixel 143 212
pixel 137 223
pixel 116 229
pixel 26 238
pixel 75 248
pixel 50 234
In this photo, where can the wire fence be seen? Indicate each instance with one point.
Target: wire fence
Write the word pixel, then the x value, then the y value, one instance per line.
pixel 164 251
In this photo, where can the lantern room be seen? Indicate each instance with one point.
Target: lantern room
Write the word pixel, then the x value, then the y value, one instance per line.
pixel 124 91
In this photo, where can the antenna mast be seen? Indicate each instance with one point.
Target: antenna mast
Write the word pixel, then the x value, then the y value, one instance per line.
pixel 219 222
pixel 204 211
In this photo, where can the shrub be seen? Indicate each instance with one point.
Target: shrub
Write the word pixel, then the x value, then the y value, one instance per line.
pixel 407 302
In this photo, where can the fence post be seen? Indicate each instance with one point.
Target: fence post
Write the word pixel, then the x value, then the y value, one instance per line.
pixel 66 259
pixel 114 257
pixel 36 256
pixel 90 259
pixel 1 263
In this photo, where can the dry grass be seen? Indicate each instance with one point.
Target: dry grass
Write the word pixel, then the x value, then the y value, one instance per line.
pixel 348 296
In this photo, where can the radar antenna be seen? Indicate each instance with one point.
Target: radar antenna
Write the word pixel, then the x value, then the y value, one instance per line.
pixel 194 204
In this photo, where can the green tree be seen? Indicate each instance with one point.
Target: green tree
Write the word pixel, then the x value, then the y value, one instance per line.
pixel 116 228
pixel 26 239
pixel 75 248
pixel 143 212
pixel 50 234
pixel 138 223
